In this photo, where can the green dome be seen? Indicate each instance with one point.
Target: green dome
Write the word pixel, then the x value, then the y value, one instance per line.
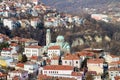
pixel 60 38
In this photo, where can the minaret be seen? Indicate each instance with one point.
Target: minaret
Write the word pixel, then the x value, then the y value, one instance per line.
pixel 48 37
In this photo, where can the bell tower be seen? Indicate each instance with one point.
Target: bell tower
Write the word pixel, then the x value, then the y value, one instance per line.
pixel 48 37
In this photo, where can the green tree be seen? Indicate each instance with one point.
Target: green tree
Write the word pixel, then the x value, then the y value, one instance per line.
pixel 20 57
pixel 4 45
pixel 89 77
pixel 24 58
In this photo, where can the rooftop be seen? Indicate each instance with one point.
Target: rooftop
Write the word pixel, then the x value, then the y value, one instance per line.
pixel 114 69
pixel 54 47
pixel 58 67
pixel 95 61
pixel 33 47
pixel 71 57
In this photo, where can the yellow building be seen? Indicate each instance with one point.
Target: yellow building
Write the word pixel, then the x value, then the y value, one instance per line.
pixel 5 61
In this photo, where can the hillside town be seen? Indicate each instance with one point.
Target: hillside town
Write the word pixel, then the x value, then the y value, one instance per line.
pixel 24 59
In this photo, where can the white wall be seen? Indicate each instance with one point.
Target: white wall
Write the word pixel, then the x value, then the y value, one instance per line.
pixel 51 53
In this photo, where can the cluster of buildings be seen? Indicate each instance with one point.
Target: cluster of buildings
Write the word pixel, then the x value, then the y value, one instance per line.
pixel 55 61
pixel 34 13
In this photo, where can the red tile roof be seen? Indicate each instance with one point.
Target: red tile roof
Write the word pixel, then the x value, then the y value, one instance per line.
pixel 114 56
pixel 85 53
pixel 58 67
pixel 117 77
pixel 34 58
pixel 33 47
pixel 42 77
pixel 19 71
pixel 95 61
pixel 54 47
pixel 114 69
pixel 7 49
pixel 3 75
pixel 71 57
pixel 20 65
pixel 13 44
pixel 76 74
pixel 55 58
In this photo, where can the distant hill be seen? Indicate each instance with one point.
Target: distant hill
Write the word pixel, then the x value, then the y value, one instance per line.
pixel 77 5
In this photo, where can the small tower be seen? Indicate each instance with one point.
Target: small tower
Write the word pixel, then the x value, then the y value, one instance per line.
pixel 48 37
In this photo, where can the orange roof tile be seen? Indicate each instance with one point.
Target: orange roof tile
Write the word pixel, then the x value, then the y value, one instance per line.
pixel 7 49
pixel 34 58
pixel 19 71
pixel 113 56
pixel 55 58
pixel 54 47
pixel 114 69
pixel 58 67
pixel 71 57
pixel 2 75
pixel 20 65
pixel 85 53
pixel 117 77
pixel 76 74
pixel 13 44
pixel 42 77
pixel 33 47
pixel 95 61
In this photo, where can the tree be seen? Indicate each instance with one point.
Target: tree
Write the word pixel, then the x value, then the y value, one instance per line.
pixel 20 57
pixel 24 58
pixel 89 77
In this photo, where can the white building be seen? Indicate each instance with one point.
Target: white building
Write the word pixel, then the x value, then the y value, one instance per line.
pixel 36 2
pixel 34 22
pixel 8 23
pixel 71 60
pixel 8 52
pixel 55 60
pixel 57 70
pixel 14 46
pixel 31 67
pixel 53 51
pixel 5 61
pixel 32 51
pixel 23 75
pixel 95 65
pixel 113 72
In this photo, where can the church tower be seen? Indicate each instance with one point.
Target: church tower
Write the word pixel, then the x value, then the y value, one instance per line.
pixel 48 37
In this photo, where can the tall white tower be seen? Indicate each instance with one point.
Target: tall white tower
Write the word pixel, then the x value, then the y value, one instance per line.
pixel 48 37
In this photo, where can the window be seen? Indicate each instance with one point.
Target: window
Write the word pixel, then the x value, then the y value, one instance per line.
pixel 76 62
pixel 65 61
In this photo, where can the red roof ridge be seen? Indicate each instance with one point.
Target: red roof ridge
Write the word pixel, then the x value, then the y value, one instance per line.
pixel 58 67
pixel 54 47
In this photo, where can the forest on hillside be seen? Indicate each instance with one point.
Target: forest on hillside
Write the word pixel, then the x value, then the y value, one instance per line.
pixel 89 28
pixel 72 6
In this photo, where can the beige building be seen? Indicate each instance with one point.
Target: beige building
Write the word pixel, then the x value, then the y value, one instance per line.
pixel 33 51
pixel 95 65
pixel 71 60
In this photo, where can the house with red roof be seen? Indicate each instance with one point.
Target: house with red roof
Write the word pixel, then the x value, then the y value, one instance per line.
pixel 53 51
pixel 9 52
pixel 21 74
pixel 71 60
pixel 3 76
pixel 32 51
pixel 14 46
pixel 57 70
pixel 61 71
pixel 95 65
pixel 113 72
pixel 55 60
